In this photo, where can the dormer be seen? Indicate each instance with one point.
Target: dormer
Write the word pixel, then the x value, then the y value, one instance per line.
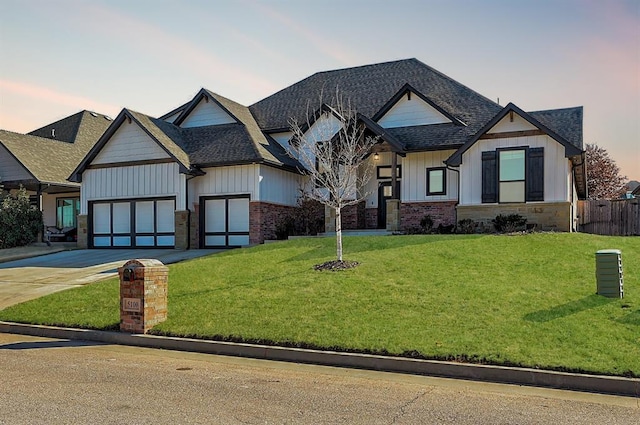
pixel 410 108
pixel 205 109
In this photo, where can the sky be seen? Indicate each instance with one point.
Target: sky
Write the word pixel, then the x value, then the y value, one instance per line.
pixel 58 57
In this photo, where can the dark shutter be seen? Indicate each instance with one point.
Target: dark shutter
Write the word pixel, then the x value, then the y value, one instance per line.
pixel 535 174
pixel 489 177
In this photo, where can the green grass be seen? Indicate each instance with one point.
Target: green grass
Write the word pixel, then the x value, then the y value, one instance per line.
pixel 524 300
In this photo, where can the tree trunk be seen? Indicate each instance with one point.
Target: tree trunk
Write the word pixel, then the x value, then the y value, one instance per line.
pixel 338 234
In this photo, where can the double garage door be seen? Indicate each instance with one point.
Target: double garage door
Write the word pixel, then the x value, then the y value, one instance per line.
pixel 225 221
pixel 142 223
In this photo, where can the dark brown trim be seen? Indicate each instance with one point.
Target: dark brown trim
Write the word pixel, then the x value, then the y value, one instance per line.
pixel 132 228
pixel 226 233
pixel 390 167
pixel 444 181
pixel 509 134
pixel 131 163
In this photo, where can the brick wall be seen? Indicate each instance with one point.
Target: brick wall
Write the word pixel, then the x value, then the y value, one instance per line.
pixel 371 218
pixel 545 215
pixel 353 216
pixel 263 217
pixel 441 213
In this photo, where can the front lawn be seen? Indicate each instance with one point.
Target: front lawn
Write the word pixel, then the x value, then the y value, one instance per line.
pixel 524 300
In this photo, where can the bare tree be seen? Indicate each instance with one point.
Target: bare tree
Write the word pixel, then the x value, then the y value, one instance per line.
pixel 332 147
pixel 604 180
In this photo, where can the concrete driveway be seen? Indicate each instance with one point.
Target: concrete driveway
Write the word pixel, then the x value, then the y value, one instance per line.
pixel 30 278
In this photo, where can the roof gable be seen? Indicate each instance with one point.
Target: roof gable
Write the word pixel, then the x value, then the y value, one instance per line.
pixel 207 108
pixel 162 133
pixel 129 143
pixel 570 149
pixel 408 108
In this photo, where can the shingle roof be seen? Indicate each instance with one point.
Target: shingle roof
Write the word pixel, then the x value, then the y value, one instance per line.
pixel 369 88
pixel 565 122
pixel 51 160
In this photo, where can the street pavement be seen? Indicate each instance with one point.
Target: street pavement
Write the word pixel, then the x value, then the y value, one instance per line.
pixel 48 381
pixel 29 278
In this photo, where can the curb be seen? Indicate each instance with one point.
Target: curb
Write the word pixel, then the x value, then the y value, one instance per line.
pixel 499 374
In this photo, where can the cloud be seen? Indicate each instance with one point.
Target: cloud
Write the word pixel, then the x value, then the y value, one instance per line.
pixel 45 94
pixel 321 42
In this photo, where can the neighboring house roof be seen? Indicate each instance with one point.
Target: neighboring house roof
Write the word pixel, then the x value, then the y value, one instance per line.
pixel 636 191
pixel 50 160
pixel 370 88
pixel 570 118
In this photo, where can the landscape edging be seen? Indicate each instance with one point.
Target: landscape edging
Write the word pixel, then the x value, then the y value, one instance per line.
pixel 500 374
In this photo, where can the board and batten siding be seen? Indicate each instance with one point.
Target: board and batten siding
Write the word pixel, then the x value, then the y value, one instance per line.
pixel 282 138
pixel 207 113
pixel 10 168
pixel 557 170
pixel 506 125
pixel 129 143
pixel 232 180
pixel 411 112
pixel 133 182
pixel 279 186
pixel 414 177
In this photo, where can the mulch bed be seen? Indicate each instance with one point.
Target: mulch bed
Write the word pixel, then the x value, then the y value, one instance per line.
pixel 336 265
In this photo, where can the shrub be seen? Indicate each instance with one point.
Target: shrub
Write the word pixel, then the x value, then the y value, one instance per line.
pixel 307 219
pixel 426 224
pixel 509 223
pixel 466 226
pixel 20 222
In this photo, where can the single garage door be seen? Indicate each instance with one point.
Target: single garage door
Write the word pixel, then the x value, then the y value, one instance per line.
pixel 141 223
pixel 225 220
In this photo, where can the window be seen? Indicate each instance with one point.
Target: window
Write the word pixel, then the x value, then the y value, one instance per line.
pixel 67 210
pixel 513 175
pixel 511 170
pixel 436 181
pixel 384 172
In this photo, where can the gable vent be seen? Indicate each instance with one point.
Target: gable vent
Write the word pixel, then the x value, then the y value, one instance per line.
pixel 53 132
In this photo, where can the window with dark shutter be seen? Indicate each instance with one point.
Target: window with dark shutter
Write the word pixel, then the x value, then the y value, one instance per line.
pixel 489 177
pixel 535 174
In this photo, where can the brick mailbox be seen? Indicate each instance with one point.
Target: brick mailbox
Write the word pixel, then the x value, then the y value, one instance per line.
pixel 143 295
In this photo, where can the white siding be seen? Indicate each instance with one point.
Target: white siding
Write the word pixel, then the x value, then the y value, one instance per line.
pixel 207 113
pixel 278 186
pixel 414 177
pixel 323 128
pixel 129 143
pixel 518 124
pixel 282 138
pixel 411 112
pixel 556 168
pixel 139 181
pixel 173 117
pixel 237 179
pixel 10 169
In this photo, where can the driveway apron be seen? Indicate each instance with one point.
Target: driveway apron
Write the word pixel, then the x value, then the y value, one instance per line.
pixel 30 278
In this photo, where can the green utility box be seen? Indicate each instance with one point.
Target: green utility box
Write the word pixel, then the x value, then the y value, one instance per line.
pixel 609 273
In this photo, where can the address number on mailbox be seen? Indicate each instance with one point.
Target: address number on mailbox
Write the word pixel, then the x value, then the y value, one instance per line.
pixel 131 304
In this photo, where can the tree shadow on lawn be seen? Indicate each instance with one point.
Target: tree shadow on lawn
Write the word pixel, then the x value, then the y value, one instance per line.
pixel 355 244
pixel 633 318
pixel 568 309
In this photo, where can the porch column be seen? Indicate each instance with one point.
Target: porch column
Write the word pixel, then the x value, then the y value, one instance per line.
pixel 393 204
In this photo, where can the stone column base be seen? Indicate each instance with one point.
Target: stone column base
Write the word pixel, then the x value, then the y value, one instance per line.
pixel 393 215
pixel 83 232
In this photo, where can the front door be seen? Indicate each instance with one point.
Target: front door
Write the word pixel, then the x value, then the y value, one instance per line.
pixel 384 193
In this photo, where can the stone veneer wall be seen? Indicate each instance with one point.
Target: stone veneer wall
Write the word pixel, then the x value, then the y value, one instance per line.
pixel 545 215
pixel 182 230
pixel 441 213
pixel 195 227
pixel 83 232
pixel 263 217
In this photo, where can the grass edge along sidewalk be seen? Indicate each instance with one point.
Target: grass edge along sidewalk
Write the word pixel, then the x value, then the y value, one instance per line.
pixel 526 301
pixel 505 375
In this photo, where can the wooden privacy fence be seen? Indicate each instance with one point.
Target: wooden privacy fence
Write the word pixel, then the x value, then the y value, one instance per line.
pixel 618 217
